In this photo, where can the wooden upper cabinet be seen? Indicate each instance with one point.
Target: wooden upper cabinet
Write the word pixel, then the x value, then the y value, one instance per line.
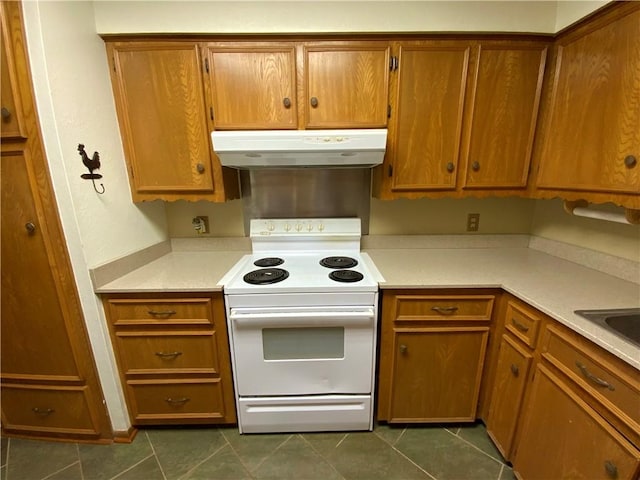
pixel 504 100
pixel 252 86
pixel 592 137
pixel 430 105
pixel 11 117
pixel 161 107
pixel 345 85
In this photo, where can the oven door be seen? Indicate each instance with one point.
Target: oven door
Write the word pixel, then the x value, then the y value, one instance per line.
pixel 303 350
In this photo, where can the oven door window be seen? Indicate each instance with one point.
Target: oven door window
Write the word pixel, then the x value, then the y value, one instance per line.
pixel 303 343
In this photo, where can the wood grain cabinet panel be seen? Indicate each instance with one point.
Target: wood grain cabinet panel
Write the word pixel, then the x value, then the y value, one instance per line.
pixel 432 82
pixel 563 437
pixel 12 124
pixel 164 352
pixel 48 380
pixel 253 86
pixel 505 96
pixel 617 391
pixel 161 108
pixel 47 409
pixel 163 402
pixel 431 363
pixel 593 121
pixel 522 322
pixel 346 86
pixel 174 362
pixel 512 372
pixel 436 374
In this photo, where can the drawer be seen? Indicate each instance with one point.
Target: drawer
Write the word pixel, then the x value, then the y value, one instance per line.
pixel 170 311
pixel 596 374
pixel 443 307
pixel 49 409
pixel 167 352
pixel 159 402
pixel 522 322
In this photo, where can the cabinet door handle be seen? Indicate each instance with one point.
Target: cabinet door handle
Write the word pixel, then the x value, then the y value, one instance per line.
pixel 590 376
pixel 314 102
pixel 42 411
pixel 475 166
pixel 445 310
pixel 450 167
pixel 611 469
pixel 177 401
pixel 515 370
pixel 520 326
pixel 286 102
pixel 30 227
pixel 403 349
pixel 200 168
pixel 630 161
pixel 6 113
pixel 161 313
pixel 170 355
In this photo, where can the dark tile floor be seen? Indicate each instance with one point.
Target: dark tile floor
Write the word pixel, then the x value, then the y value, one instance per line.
pixel 387 453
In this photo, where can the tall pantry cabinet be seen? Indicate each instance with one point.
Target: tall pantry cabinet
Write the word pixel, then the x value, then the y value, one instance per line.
pixel 48 379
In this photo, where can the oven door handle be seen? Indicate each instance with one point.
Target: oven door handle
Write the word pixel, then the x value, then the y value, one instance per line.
pixel 303 319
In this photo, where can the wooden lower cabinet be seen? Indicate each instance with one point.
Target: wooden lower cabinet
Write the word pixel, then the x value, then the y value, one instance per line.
pixel 48 380
pixel 563 437
pixel 173 356
pixel 432 355
pixel 436 374
pixel 512 372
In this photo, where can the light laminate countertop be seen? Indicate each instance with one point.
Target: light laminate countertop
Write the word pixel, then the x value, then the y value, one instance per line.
pixel 554 286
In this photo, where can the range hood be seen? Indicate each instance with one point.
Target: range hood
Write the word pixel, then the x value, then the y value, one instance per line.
pixel 300 148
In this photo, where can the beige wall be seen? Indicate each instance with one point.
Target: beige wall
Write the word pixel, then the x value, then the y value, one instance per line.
pixel 551 221
pixel 409 217
pixel 324 16
pixel 568 12
pixel 545 218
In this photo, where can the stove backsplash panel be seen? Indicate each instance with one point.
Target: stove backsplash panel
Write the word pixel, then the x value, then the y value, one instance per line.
pixel 306 193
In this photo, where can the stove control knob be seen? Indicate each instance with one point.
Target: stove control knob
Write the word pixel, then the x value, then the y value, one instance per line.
pixel 271 227
pixel 287 227
pixel 310 227
pixel 320 227
pixel 298 227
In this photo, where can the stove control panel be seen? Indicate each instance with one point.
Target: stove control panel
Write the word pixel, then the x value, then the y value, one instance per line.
pixel 306 226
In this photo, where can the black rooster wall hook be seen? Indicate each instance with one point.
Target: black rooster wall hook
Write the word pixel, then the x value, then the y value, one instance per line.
pixel 92 164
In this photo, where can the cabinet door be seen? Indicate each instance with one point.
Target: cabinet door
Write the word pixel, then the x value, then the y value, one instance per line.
pixel 34 338
pixel 346 86
pixel 503 112
pixel 431 90
pixel 510 381
pixel 11 109
pixel 594 118
pixel 252 86
pixel 162 116
pixel 571 438
pixel 436 373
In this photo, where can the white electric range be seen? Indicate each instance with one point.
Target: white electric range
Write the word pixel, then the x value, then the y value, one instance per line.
pixel 302 314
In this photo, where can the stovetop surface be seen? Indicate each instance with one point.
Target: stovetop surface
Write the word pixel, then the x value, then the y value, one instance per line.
pixel 306 274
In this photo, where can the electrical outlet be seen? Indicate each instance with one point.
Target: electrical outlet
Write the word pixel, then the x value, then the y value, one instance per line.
pixel 473 222
pixel 200 224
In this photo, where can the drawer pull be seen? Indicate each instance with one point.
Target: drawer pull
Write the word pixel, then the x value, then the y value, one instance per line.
pixel 43 412
pixel 170 355
pixel 445 310
pixel 177 401
pixel 593 378
pixel 515 370
pixel 161 313
pixel 403 349
pixel 520 326
pixel 611 469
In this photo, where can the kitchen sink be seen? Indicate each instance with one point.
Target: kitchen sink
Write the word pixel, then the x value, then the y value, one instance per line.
pixel 624 322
